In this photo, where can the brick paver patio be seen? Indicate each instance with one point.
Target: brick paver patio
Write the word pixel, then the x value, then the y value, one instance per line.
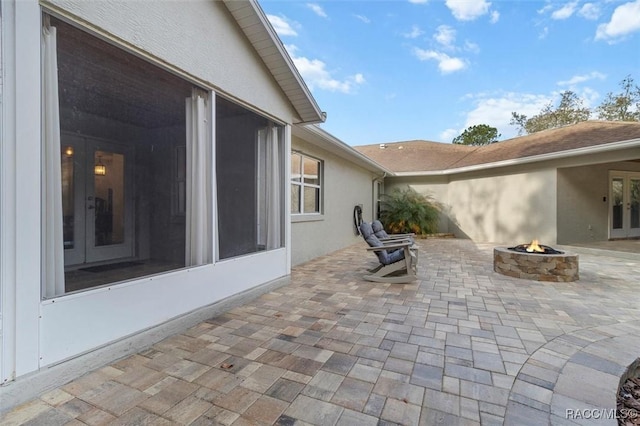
pixel 462 346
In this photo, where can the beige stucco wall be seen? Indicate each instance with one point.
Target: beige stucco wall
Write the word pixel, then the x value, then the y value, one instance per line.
pixel 345 185
pixel 558 201
pixel 491 207
pixel 222 57
pixel 435 187
pixel 583 203
pixel 511 208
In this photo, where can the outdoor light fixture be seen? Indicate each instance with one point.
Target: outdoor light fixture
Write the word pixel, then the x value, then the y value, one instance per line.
pixel 68 151
pixel 100 169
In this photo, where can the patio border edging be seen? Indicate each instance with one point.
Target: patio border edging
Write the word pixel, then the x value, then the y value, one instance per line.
pixel 588 376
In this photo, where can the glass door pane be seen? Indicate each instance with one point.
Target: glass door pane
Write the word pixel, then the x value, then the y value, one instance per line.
pixel 109 198
pixel 617 203
pixel 634 202
pixel 109 203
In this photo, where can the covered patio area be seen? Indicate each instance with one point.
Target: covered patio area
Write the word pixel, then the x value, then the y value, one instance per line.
pixel 463 345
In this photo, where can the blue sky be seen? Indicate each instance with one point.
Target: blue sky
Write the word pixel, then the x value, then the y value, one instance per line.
pixel 396 70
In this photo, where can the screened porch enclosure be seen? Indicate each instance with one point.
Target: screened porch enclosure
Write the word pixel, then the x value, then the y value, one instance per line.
pixel 128 168
pixel 122 126
pixel 250 177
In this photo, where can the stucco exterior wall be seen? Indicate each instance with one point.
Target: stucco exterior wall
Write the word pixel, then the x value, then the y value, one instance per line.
pixel 583 204
pixel 435 187
pixel 559 201
pixel 345 185
pixel 511 208
pixel 160 30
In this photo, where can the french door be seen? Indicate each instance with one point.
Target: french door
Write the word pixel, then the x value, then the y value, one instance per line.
pixel 97 200
pixel 624 205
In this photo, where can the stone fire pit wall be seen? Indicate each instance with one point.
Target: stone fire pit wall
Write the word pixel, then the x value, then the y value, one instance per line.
pixel 539 267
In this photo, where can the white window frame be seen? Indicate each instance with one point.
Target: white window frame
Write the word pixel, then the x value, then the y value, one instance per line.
pixel 302 184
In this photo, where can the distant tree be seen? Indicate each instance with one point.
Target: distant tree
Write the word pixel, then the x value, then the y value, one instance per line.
pixel 570 110
pixel 481 134
pixel 624 106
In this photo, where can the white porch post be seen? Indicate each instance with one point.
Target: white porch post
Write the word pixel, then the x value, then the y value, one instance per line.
pixel 20 183
pixel 287 194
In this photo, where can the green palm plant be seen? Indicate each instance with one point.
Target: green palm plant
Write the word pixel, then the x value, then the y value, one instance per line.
pixel 406 210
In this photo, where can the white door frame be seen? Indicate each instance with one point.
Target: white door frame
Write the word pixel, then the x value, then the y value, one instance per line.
pixel 93 252
pixel 84 250
pixel 626 229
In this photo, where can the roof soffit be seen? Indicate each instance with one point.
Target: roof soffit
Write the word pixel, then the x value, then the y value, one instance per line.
pixel 316 136
pixel 262 36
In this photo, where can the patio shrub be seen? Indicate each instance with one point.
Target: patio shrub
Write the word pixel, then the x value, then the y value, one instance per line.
pixel 406 210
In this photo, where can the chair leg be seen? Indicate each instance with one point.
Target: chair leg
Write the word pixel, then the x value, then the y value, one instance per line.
pixel 376 269
pixel 401 279
pixel 384 274
pixel 413 253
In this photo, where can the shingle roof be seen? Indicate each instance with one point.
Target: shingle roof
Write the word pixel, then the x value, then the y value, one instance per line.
pixel 425 156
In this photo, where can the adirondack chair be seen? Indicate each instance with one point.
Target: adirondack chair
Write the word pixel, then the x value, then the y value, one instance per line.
pixel 397 261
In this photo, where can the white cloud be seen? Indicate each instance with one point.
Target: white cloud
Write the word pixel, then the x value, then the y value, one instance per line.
pixel 624 21
pixel 589 96
pixel 414 33
pixel 315 74
pixel 495 110
pixel 545 9
pixel 465 10
pixel 544 33
pixel 565 11
pixel 446 63
pixel 445 35
pixel 590 11
pixel 447 135
pixel 317 9
pixel 418 1
pixel 472 47
pixel 363 19
pixel 282 26
pixel 577 79
pixel 495 17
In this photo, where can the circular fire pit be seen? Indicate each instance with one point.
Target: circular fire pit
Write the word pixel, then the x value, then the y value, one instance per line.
pixel 552 265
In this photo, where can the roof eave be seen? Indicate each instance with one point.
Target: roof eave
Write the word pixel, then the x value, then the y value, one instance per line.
pixel 596 149
pixel 322 139
pixel 246 13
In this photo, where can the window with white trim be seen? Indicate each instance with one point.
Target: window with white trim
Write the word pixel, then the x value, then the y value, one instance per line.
pixel 306 184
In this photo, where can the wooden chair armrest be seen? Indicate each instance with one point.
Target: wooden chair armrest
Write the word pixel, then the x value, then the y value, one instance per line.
pixel 390 246
pixel 388 241
pixel 393 239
